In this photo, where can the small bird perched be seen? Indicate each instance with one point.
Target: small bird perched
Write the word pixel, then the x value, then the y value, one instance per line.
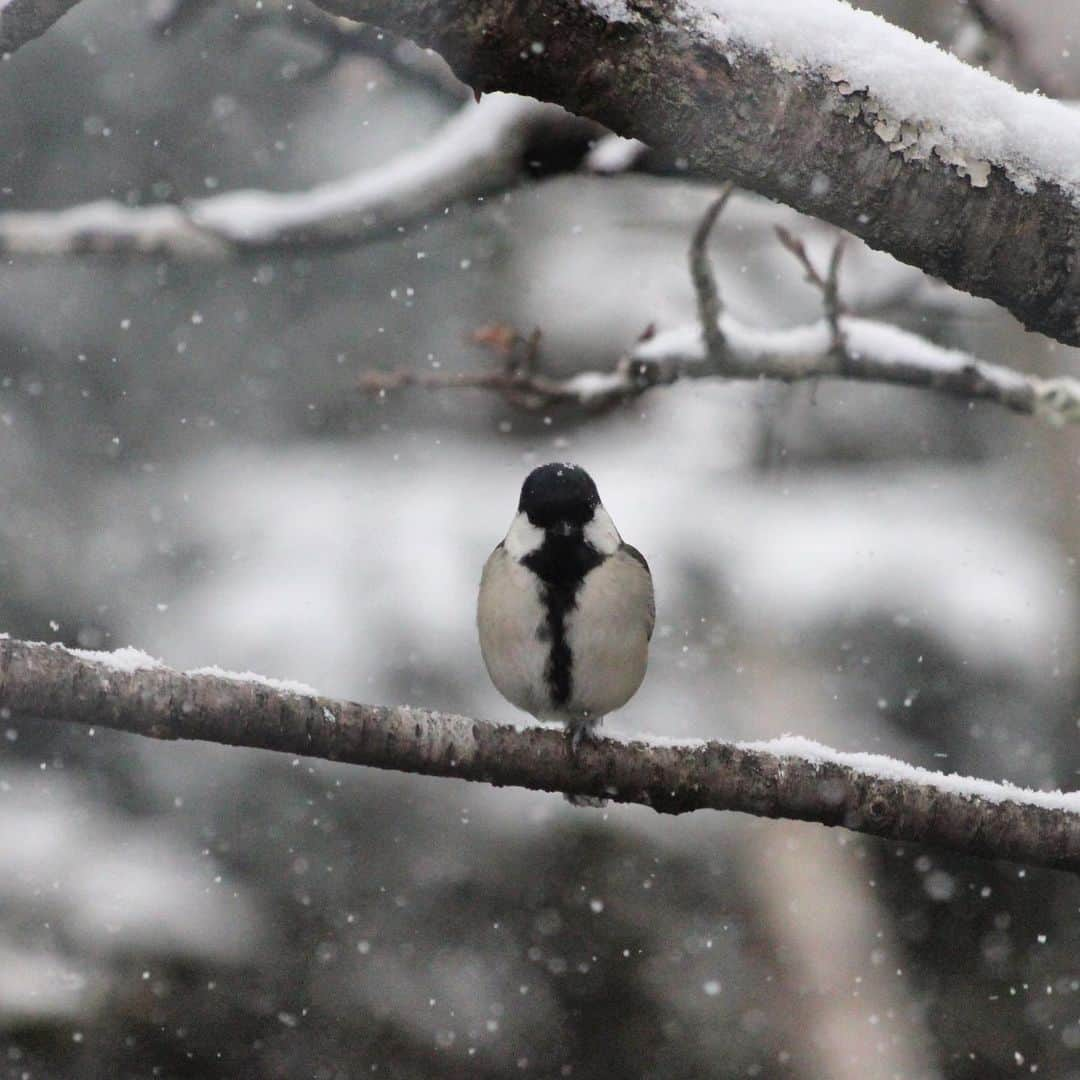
pixel 566 608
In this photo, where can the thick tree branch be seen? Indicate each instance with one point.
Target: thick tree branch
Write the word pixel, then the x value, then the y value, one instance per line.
pixel 873 796
pixel 933 189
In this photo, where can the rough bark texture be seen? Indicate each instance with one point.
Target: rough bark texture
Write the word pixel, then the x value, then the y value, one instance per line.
pixel 793 137
pixel 23 20
pixel 49 682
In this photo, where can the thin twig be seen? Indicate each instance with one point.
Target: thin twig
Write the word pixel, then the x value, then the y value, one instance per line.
pixel 831 296
pixel 706 290
pixel 829 285
pixel 839 346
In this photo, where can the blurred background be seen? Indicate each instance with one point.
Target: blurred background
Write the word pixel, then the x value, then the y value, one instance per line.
pixel 186 465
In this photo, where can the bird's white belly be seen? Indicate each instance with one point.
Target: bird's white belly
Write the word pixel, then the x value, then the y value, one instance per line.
pixel 511 620
pixel 608 634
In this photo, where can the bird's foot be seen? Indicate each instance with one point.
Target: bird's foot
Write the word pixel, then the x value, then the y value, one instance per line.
pixel 578 732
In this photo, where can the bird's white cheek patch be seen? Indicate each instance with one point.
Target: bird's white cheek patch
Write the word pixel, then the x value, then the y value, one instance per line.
pixel 523 537
pixel 601 532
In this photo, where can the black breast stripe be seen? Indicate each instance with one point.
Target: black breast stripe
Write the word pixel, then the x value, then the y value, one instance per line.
pixel 561 563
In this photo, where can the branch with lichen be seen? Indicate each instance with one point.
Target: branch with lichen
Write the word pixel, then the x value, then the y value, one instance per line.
pixel 839 346
pixel 994 218
pixel 132 692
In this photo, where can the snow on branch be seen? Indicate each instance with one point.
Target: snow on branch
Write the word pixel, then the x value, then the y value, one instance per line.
pixel 720 346
pixel 817 104
pixel 481 149
pixel 788 778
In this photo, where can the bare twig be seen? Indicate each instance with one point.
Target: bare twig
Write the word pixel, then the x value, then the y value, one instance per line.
pixel 831 295
pixel 138 695
pixel 838 346
pixel 701 273
pixel 829 285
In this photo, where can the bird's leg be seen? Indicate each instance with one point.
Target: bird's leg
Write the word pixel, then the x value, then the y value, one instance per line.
pixel 579 730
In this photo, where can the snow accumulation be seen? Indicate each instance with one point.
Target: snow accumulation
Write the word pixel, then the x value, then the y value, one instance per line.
pixel 129 659
pixel 473 144
pixel 124 660
pixel 864 337
pixel 877 765
pixel 285 686
pixel 920 99
pixel 614 154
pixel 594 384
pixel 888 768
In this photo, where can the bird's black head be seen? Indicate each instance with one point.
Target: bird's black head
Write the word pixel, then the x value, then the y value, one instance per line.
pixel 559 495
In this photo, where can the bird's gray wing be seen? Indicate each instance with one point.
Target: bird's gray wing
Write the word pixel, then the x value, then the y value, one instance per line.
pixel 629 549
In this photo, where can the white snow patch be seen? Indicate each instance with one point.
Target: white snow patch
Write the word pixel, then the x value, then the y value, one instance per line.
pixel 614 154
pixel 130 659
pixel 124 660
pixel 285 686
pixel 614 10
pixel 868 338
pixel 887 768
pixel 919 99
pixel 593 384
pixel 473 150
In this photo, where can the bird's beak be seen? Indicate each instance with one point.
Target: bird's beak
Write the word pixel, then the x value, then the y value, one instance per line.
pixel 562 528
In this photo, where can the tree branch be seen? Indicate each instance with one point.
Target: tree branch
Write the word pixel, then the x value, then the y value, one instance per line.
pixel 719 346
pixel 131 692
pixel 23 20
pixel 988 200
pixel 706 290
pixel 481 149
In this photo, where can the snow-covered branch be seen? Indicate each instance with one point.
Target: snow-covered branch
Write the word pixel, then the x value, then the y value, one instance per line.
pixel 481 149
pixel 874 352
pixel 827 108
pixel 23 20
pixel 720 346
pixel 788 778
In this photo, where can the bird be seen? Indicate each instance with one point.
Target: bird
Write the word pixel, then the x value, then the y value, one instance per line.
pixel 566 608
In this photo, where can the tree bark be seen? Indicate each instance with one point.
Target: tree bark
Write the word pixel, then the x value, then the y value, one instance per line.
pixel 801 138
pixel 53 683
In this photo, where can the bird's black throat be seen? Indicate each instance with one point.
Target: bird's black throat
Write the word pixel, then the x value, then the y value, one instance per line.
pixel 561 563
